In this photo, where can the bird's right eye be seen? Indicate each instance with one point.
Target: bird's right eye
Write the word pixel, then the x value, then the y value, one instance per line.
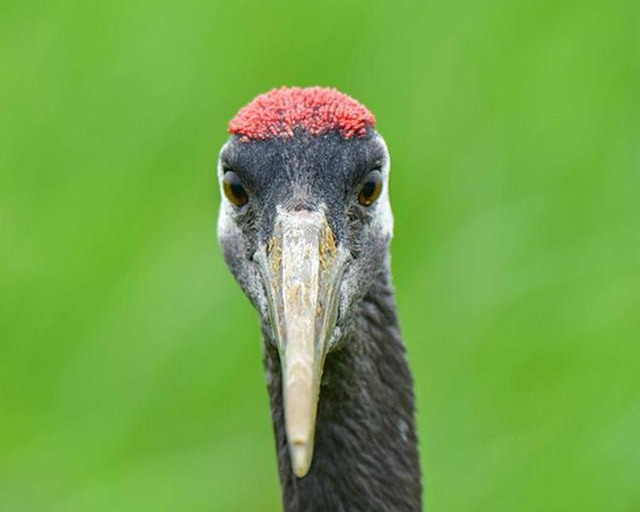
pixel 233 188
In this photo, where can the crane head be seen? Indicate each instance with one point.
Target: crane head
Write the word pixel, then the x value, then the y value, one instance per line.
pixel 304 225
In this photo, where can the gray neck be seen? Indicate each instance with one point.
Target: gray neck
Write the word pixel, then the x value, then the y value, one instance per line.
pixel 365 455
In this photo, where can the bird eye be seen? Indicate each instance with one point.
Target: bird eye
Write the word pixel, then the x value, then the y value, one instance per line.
pixel 371 188
pixel 233 189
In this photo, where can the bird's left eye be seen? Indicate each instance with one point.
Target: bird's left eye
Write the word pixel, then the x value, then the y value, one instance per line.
pixel 233 189
pixel 371 188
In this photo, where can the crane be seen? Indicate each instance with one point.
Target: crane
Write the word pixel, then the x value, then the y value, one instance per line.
pixel 304 226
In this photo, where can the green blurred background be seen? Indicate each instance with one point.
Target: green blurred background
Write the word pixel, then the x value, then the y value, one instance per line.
pixel 130 367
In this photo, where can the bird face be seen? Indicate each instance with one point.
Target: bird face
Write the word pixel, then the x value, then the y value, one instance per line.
pixel 304 227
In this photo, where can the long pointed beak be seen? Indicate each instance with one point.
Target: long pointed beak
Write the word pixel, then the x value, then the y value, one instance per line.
pixel 302 270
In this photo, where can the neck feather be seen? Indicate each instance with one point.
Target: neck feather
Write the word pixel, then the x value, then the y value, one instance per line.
pixel 365 455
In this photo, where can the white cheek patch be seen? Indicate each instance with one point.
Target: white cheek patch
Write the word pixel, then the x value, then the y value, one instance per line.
pixel 226 226
pixel 383 213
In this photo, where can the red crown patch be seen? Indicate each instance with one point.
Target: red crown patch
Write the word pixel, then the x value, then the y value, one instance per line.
pixel 314 109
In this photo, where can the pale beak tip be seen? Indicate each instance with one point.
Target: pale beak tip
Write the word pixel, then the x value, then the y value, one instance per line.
pixel 301 458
